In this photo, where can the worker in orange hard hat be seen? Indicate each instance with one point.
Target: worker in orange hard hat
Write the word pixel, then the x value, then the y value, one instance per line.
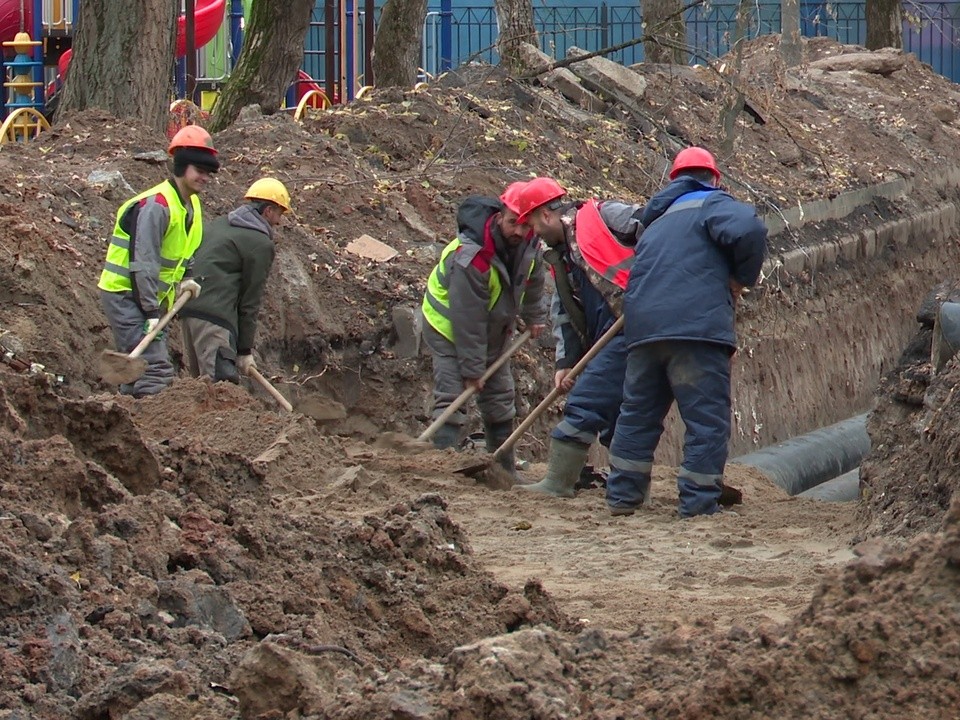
pixel 233 263
pixel 589 251
pixel 701 247
pixel 490 275
pixel 148 258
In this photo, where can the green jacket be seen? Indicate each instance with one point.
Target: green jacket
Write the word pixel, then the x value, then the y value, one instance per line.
pixel 232 265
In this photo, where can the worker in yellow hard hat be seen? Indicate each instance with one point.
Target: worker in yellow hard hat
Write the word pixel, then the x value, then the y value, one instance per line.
pixel 232 263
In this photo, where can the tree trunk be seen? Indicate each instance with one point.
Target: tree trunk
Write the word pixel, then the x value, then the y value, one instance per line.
pixel 272 52
pixel 396 48
pixel 733 104
pixel 790 49
pixel 669 36
pixel 515 20
pixel 123 60
pixel 884 24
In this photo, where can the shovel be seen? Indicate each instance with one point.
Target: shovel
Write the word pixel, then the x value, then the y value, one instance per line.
pixel 468 393
pixel 404 443
pixel 118 369
pixel 478 467
pixel 268 386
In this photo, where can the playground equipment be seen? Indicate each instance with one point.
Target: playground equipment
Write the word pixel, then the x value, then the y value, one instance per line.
pixel 345 45
pixel 24 119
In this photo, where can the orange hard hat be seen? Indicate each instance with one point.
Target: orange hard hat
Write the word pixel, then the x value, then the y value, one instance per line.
pixel 192 136
pixel 694 158
pixel 511 196
pixel 538 192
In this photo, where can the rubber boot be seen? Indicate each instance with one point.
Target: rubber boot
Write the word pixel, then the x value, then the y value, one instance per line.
pixel 495 435
pixel 447 436
pixel 566 460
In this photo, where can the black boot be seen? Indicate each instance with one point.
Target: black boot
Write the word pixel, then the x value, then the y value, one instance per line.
pixel 447 436
pixel 495 435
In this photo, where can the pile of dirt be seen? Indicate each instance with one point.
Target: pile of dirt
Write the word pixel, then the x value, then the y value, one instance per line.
pixel 909 478
pixel 198 555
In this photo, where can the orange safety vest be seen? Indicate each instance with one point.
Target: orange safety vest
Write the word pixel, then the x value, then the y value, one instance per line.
pixel 600 248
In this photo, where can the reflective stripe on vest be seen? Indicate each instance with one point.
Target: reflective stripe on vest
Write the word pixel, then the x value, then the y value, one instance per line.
pixel 436 300
pixel 600 248
pixel 176 247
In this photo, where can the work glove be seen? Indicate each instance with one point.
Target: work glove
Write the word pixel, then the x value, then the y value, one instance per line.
pixel 191 286
pixel 246 363
pixel 149 324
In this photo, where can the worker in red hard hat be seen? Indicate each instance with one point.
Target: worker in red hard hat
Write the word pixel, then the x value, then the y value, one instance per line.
pixel 148 258
pixel 490 275
pixel 701 247
pixel 590 251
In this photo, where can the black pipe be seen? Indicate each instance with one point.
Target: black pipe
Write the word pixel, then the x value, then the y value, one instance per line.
pixel 808 460
pixel 845 488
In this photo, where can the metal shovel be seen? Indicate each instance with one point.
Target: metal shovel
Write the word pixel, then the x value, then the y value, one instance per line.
pixel 468 393
pixel 117 368
pixel 402 442
pixel 478 467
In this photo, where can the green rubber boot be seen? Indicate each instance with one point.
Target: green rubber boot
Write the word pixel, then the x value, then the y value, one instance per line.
pixel 565 463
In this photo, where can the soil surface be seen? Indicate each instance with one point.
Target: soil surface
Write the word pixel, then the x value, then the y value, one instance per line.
pixel 202 555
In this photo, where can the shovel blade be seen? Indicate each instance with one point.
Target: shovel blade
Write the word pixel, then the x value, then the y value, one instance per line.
pixel 401 443
pixel 730 496
pixel 119 369
pixel 474 468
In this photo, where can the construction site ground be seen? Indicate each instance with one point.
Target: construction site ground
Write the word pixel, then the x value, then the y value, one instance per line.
pixel 201 554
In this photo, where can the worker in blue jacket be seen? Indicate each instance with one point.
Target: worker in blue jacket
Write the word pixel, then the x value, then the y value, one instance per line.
pixel 700 248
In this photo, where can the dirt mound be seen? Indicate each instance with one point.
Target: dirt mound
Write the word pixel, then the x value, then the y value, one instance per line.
pixel 153 578
pixel 879 639
pixel 909 477
pixel 200 554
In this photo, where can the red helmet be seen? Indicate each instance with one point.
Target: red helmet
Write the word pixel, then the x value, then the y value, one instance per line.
pixel 694 158
pixel 192 136
pixel 537 193
pixel 511 196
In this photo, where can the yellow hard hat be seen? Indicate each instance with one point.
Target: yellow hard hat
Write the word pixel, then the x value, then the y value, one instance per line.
pixel 271 190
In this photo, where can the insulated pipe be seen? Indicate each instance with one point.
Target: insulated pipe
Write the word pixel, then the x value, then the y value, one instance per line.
pixel 845 488
pixel 805 461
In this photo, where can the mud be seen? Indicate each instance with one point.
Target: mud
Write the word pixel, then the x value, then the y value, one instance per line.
pixel 201 554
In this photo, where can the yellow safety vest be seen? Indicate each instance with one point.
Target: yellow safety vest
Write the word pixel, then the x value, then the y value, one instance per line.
pixel 176 248
pixel 436 300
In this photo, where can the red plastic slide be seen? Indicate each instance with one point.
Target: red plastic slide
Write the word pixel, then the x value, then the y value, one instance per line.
pixel 208 17
pixel 10 20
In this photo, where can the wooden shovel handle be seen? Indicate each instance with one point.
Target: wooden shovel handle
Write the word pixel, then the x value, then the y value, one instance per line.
pixel 150 336
pixel 266 385
pixel 557 392
pixel 466 394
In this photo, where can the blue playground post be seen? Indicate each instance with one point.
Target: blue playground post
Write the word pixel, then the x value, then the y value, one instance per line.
pixel 446 35
pixel 39 90
pixel 236 30
pixel 349 50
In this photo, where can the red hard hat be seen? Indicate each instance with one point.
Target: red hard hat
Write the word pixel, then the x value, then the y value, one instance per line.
pixel 694 158
pixel 192 136
pixel 538 192
pixel 511 196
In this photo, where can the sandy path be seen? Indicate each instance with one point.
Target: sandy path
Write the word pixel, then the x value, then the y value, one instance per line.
pixel 757 565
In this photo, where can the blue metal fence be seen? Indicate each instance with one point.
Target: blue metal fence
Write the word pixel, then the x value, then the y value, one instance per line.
pixel 930 30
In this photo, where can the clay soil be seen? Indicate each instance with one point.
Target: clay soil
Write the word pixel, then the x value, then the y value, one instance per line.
pixel 200 554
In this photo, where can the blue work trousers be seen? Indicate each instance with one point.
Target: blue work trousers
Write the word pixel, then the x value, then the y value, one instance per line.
pixel 697 375
pixel 594 402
